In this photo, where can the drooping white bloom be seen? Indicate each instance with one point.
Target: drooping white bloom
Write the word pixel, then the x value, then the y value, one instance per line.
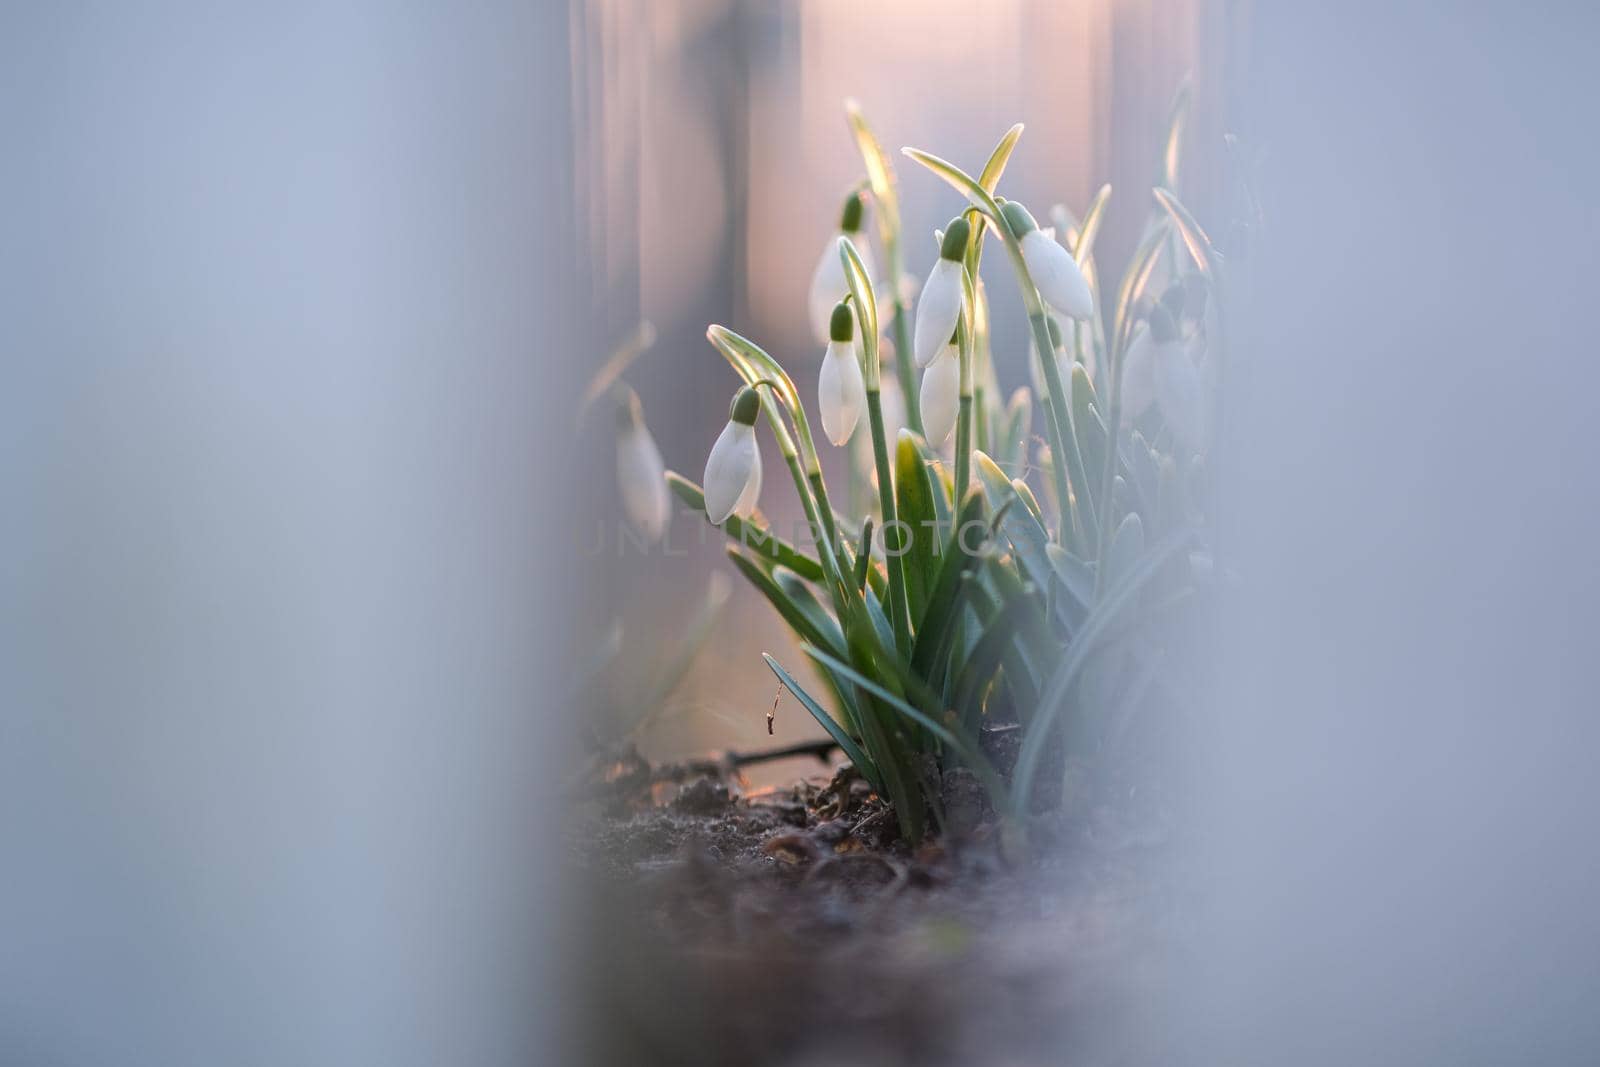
pixel 1054 271
pixel 828 284
pixel 941 395
pixel 641 476
pixel 746 506
pixel 1178 389
pixel 841 390
pixel 735 460
pixel 1138 373
pixel 939 308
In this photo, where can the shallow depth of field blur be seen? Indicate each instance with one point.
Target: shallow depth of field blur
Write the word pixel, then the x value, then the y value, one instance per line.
pixel 712 154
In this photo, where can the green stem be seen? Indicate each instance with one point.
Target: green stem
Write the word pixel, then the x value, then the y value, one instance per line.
pixel 1058 414
pixel 893 547
pixel 903 359
pixel 963 417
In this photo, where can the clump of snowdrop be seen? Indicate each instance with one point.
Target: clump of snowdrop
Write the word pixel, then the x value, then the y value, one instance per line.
pixel 941 393
pixel 828 284
pixel 939 307
pixel 733 470
pixel 641 475
pixel 1060 282
pixel 841 390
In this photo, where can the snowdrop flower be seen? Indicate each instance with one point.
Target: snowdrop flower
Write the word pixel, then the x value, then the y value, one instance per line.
pixel 733 470
pixel 1041 388
pixel 942 295
pixel 828 284
pixel 841 391
pixel 1178 390
pixel 1138 373
pixel 1054 271
pixel 941 394
pixel 641 476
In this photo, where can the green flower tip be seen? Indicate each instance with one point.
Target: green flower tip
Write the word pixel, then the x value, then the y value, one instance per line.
pixel 746 405
pixel 1055 331
pixel 1018 219
pixel 842 327
pixel 1163 327
pixel 956 235
pixel 850 217
pixel 629 412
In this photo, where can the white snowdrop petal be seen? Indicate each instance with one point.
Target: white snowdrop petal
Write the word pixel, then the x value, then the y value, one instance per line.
pixel 728 470
pixel 746 506
pixel 938 310
pixel 941 396
pixel 1060 281
pixel 841 391
pixel 1138 374
pixel 641 480
pixel 1180 394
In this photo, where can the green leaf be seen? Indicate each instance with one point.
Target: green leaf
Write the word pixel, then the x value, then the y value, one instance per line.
pixel 1194 237
pixel 1091 435
pixel 755 538
pixel 855 273
pixel 1014 520
pixel 1134 282
pixel 1172 147
pixel 968 751
pixel 808 625
pixel 1083 248
pixel 938 622
pixel 880 175
pixel 989 179
pixel 1108 611
pixel 914 506
pixel 959 180
pixel 851 750
pixel 741 350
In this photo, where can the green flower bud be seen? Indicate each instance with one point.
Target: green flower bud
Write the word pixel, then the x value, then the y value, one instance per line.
pixel 745 407
pixel 1173 299
pixel 956 236
pixel 850 217
pixel 1163 327
pixel 1018 219
pixel 842 327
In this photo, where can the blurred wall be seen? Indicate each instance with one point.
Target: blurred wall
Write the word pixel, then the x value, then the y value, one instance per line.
pixel 284 337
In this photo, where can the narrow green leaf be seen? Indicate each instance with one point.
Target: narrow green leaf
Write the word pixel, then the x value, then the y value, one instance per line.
pixel 938 620
pixel 754 537
pixel 880 175
pixel 1083 248
pixel 807 625
pixel 1134 281
pixel 1107 612
pixel 914 504
pixel 1127 545
pixel 968 751
pixel 1194 237
pixel 847 744
pixel 959 180
pixel 989 178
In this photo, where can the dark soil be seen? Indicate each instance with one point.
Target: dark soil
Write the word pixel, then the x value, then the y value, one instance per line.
pixel 794 927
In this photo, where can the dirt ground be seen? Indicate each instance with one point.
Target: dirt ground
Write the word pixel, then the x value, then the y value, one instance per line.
pixel 791 926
